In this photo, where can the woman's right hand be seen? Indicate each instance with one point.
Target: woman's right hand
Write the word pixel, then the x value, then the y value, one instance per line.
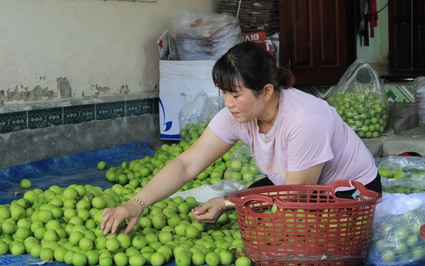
pixel 210 211
pixel 112 218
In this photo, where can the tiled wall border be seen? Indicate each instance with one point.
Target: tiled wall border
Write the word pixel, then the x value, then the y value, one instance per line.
pixel 42 115
pixel 72 113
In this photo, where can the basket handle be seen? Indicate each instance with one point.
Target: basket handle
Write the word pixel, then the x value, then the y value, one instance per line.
pixel 364 192
pixel 255 197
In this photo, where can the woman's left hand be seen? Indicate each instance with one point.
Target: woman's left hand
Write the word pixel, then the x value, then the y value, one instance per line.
pixel 112 218
pixel 210 211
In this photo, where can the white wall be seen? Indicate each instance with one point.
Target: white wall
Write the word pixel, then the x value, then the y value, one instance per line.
pixel 377 51
pixel 53 49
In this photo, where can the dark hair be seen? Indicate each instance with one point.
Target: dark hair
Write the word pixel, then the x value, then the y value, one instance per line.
pixel 252 65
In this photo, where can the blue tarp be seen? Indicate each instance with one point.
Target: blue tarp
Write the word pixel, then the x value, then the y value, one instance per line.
pixel 23 260
pixel 78 168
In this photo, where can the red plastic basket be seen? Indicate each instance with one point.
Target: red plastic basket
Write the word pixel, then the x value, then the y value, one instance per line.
pixel 305 224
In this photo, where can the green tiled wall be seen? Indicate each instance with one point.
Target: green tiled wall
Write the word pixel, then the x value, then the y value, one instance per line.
pixel 32 119
pixel 400 93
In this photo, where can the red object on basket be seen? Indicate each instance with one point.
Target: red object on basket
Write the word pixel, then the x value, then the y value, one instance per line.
pixel 309 225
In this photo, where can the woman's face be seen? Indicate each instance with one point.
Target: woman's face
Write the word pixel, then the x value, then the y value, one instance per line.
pixel 243 105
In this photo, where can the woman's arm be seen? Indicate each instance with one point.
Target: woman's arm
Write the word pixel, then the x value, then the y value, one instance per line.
pixel 309 176
pixel 185 167
pixel 212 209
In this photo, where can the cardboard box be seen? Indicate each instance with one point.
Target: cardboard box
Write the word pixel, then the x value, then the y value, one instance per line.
pixel 179 81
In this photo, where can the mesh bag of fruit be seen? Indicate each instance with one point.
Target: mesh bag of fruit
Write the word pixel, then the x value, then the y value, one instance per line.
pixel 402 174
pixel 195 115
pixel 242 166
pixel 398 233
pixel 360 99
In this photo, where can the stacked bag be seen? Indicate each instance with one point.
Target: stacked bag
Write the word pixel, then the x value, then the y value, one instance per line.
pixel 204 36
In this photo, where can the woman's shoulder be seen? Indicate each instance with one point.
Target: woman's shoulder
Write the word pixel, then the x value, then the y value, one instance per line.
pixel 297 99
pixel 228 128
pixel 297 92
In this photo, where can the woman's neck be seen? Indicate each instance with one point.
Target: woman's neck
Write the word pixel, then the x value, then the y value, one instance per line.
pixel 266 121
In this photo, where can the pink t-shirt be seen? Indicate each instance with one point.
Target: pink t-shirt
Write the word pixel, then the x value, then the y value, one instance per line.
pixel 307 132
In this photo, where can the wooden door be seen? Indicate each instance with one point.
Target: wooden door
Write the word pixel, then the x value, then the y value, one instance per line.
pixel 406 22
pixel 316 41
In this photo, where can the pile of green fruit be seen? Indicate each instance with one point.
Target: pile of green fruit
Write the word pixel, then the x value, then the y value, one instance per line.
pixel 137 173
pixel 365 111
pixel 63 225
pixel 397 240
pixel 191 132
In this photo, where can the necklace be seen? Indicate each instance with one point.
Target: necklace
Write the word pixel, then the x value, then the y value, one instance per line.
pixel 260 126
pixel 260 123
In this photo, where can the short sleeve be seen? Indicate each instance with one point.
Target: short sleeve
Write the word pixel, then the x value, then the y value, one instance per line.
pixel 309 141
pixel 222 125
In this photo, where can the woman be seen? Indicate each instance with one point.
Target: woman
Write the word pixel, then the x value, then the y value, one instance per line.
pixel 294 137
